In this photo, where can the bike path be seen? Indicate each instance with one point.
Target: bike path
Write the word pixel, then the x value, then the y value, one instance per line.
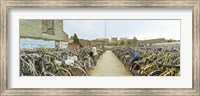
pixel 109 65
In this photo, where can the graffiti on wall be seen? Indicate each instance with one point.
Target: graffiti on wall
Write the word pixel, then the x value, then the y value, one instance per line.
pixel 36 43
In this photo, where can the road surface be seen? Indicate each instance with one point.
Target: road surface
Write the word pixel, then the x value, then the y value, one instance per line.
pixel 109 65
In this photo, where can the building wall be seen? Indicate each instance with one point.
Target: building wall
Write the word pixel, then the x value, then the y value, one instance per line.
pixel 97 42
pixel 60 34
pixel 30 28
pixel 123 39
pixel 29 43
pixel 72 46
pixel 33 29
pixel 84 43
pixel 106 40
pixel 33 35
pixel 113 39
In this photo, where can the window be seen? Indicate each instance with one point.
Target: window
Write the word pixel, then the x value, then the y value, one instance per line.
pixel 48 26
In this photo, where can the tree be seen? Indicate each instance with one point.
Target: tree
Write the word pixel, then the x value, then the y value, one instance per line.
pixel 122 42
pixel 116 43
pixel 129 42
pixel 75 39
pixel 134 41
pixel 171 40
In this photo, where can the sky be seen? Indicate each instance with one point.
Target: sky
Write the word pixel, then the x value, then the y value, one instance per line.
pixel 141 29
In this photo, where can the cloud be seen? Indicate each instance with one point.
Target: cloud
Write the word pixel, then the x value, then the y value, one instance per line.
pixel 87 29
pixel 92 29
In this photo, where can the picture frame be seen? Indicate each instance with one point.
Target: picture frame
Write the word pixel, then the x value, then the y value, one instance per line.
pixel 6 5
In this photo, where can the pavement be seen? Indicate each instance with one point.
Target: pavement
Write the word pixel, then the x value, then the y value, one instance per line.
pixel 109 65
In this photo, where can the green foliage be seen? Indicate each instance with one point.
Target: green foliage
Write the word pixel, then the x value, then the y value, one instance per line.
pixel 122 42
pixel 116 43
pixel 75 39
pixel 134 41
pixel 129 42
pixel 171 40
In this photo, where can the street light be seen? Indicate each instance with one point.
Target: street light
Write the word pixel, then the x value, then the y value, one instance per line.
pixel 105 29
pixel 105 33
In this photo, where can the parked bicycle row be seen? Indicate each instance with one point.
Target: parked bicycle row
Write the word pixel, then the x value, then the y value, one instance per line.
pixel 151 61
pixel 57 62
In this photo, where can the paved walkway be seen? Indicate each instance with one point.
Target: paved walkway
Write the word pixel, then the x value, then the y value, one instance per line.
pixel 109 65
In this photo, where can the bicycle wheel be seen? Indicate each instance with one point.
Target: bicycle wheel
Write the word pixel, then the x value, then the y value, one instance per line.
pixel 86 66
pixel 135 69
pixel 79 71
pixel 63 72
pixel 48 74
pixel 178 74
pixel 126 67
pixel 155 73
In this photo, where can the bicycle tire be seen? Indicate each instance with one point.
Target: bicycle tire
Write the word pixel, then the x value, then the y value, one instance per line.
pixel 79 71
pixel 135 69
pixel 48 74
pixel 155 73
pixel 86 66
pixel 126 66
pixel 63 72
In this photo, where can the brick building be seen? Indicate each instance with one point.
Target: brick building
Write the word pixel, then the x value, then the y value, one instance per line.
pixel 73 46
pixel 123 39
pixel 85 43
pixel 106 40
pixel 97 42
pixel 114 39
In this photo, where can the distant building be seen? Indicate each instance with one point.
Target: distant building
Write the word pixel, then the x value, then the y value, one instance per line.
pixel 42 33
pixel 114 39
pixel 85 43
pixel 70 40
pixel 104 39
pixel 151 41
pixel 73 46
pixel 98 42
pixel 123 39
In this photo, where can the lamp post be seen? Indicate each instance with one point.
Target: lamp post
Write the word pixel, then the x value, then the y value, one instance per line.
pixel 105 33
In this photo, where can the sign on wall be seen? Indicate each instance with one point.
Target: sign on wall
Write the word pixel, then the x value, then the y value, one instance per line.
pixel 36 43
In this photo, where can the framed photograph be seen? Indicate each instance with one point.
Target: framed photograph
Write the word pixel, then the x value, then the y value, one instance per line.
pixel 102 47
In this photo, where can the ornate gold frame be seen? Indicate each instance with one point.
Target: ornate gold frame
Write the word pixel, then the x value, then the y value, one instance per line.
pixel 5 5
